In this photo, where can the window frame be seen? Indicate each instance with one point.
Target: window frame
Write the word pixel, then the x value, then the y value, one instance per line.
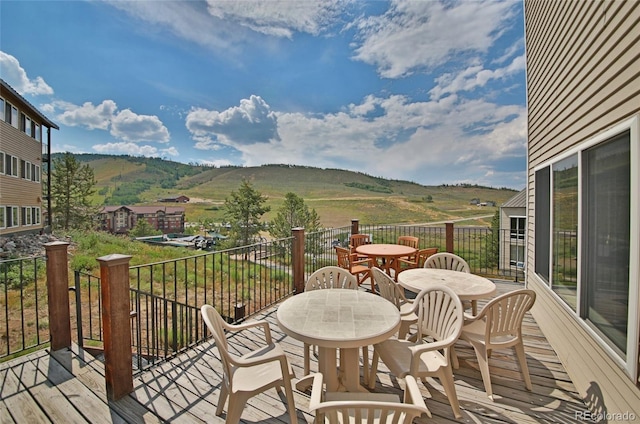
pixel 632 125
pixel 11 115
pixel 14 213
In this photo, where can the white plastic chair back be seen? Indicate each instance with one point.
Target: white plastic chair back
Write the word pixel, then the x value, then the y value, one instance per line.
pixel 331 277
pixel 445 260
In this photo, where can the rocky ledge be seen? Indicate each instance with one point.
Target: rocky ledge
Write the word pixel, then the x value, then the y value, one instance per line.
pixel 24 245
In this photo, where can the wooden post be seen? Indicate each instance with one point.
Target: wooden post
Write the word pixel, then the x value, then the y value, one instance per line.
pixel 58 295
pixel 449 236
pixel 116 324
pixel 355 226
pixel 298 259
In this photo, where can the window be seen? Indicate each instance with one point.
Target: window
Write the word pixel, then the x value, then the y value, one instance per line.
pixel 11 114
pixel 11 165
pixel 517 227
pixel 1 162
pixel 587 231
pixel 564 262
pixel 37 132
pixel 2 109
pixel 26 216
pixel 542 222
pixel 12 218
pixel 606 176
pixel 36 215
pixel 25 124
pixel 516 255
pixel 36 174
pixel 27 171
pixel 3 217
pixel 14 166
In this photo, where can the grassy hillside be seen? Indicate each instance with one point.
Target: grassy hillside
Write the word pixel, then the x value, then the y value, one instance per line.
pixel 337 195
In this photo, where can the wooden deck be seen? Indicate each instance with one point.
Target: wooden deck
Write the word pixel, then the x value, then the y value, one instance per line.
pixel 68 386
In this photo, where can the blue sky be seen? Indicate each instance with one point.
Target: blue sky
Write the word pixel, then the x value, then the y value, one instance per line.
pixel 426 91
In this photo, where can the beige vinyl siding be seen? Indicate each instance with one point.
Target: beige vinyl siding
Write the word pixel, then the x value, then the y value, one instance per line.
pixel 601 383
pixel 583 77
pixel 16 191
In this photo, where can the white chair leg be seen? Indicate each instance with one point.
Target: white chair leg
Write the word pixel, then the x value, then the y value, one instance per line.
pixel 483 364
pixel 524 369
pixel 291 407
pixel 235 408
pixel 446 379
pixel 373 370
pixel 222 399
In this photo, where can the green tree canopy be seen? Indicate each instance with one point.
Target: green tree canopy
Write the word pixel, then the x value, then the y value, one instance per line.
pixel 72 185
pixel 243 211
pixel 143 229
pixel 294 213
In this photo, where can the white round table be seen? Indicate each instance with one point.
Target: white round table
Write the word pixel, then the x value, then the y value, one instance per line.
pixel 338 319
pixel 467 286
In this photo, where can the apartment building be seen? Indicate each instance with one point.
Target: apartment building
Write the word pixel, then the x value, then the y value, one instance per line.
pixel 121 219
pixel 25 149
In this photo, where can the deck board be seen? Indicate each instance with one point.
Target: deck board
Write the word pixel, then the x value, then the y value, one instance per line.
pixel 68 386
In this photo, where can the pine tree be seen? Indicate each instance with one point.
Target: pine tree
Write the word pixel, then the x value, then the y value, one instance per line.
pixel 244 209
pixel 72 185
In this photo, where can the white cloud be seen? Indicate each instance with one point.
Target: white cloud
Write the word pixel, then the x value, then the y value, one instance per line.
pixel 448 139
pixel 131 127
pixel 16 77
pixel 278 18
pixel 251 122
pixel 88 115
pixel 171 151
pixel 420 35
pixel 186 19
pixel 124 125
pixel 474 76
pixel 132 149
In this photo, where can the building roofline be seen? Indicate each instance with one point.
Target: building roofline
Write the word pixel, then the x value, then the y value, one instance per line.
pixel 49 123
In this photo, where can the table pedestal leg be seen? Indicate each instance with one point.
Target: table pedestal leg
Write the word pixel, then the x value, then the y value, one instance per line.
pixel 350 361
pixel 327 366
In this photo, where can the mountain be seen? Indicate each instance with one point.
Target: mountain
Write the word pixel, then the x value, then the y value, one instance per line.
pixel 337 195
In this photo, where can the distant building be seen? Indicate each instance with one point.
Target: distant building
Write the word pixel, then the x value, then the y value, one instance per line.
pixel 512 230
pixel 121 219
pixel 175 199
pixel 24 151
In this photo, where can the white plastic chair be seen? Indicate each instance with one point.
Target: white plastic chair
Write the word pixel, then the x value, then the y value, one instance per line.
pixel 446 260
pixel 330 277
pixel 388 289
pixel 249 374
pixel 498 325
pixel 366 408
pixel 440 318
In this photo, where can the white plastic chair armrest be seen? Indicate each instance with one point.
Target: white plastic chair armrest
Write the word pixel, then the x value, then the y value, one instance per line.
pixel 252 324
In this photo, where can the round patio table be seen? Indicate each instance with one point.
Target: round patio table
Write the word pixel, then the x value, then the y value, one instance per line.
pixel 339 319
pixel 467 286
pixel 387 253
